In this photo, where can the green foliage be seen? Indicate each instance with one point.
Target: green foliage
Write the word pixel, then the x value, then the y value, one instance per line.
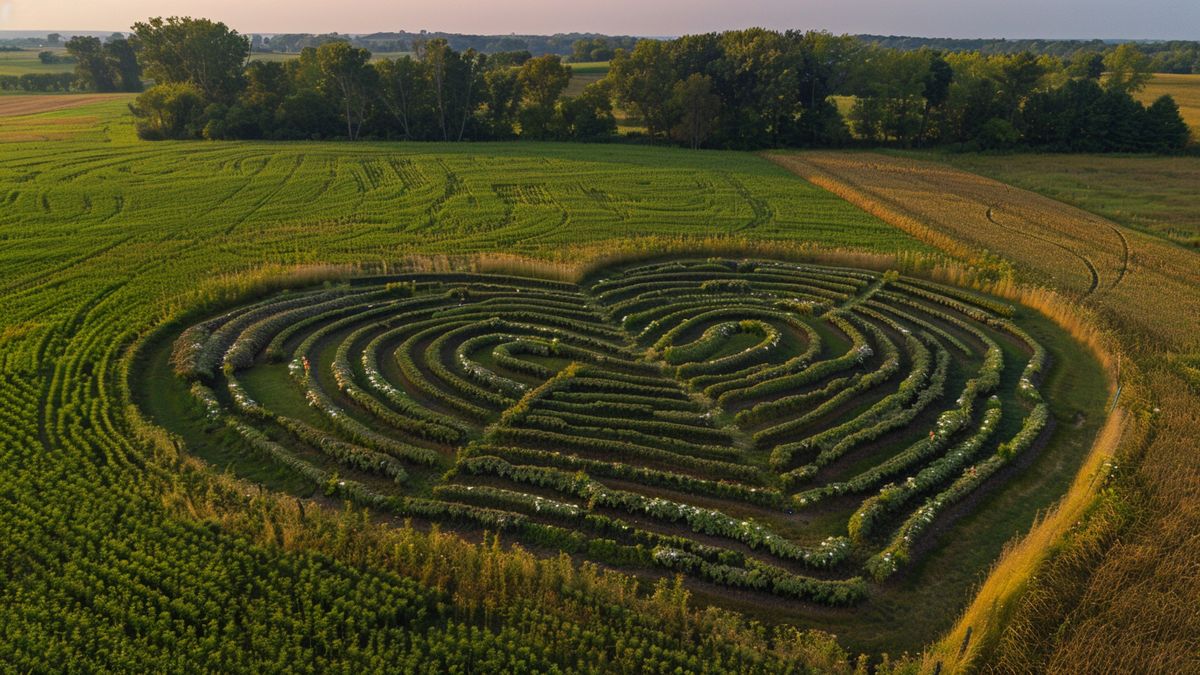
pixel 206 54
pixel 170 112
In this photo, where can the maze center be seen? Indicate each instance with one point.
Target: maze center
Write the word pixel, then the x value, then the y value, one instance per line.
pixel 779 428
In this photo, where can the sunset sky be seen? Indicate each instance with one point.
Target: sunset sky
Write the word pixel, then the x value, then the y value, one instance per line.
pixel 1145 19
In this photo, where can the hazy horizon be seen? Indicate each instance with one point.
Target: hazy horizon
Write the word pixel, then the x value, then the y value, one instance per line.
pixel 1028 19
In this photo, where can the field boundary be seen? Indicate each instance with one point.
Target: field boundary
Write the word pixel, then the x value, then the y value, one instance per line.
pixel 979 627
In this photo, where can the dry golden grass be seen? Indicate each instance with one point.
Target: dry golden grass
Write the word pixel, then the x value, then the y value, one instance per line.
pixel 1185 89
pixel 1153 194
pixel 1109 581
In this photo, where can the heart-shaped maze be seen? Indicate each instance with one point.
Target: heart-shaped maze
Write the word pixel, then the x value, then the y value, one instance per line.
pixel 763 425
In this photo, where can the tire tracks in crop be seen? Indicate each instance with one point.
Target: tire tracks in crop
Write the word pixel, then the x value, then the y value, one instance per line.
pixel 760 210
pixel 267 197
pixel 1125 256
pixel 1095 276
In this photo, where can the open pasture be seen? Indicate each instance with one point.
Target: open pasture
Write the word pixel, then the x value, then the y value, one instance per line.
pixel 27 62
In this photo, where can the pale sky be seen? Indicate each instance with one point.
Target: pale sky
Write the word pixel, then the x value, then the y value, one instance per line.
pixel 1132 19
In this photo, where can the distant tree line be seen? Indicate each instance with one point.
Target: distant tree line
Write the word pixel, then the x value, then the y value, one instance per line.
pixel 100 65
pixel 1168 56
pixel 574 46
pixel 40 82
pixel 744 89
pixel 55 58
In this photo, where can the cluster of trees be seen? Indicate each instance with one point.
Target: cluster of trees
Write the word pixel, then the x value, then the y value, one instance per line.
pixel 739 89
pixel 105 66
pixel 975 101
pixel 742 89
pixel 54 58
pixel 205 88
pixel 599 48
pixel 758 88
pixel 1172 56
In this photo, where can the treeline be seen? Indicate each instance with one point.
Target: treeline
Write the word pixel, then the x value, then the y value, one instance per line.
pixel 972 102
pixel 40 82
pixel 1171 56
pixel 757 89
pixel 335 91
pixel 745 89
pixel 575 46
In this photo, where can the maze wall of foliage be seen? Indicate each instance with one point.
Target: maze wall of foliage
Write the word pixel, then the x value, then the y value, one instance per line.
pixel 787 429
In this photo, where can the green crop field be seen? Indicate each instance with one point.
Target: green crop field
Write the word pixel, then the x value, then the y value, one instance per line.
pixel 27 62
pixel 208 349
pixel 585 73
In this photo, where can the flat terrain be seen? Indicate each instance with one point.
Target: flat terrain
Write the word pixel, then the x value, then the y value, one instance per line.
pixel 104 239
pixel 1150 283
pixel 1156 195
pixel 20 106
pixel 27 62
pixel 1137 612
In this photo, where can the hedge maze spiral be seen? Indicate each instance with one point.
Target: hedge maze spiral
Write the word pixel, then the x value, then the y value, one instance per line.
pixel 786 428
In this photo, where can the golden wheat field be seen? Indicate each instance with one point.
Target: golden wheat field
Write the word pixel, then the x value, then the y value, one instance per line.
pixel 1098 601
pixel 1185 89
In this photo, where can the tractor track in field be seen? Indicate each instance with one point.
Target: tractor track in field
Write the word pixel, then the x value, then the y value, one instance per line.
pixel 1095 283
pixel 1125 255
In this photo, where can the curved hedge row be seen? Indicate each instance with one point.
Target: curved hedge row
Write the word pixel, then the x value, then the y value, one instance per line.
pixel 657 418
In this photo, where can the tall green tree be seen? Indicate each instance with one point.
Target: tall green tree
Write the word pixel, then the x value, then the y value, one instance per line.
pixel 1166 129
pixel 543 80
pixel 1018 77
pixel 93 69
pixel 208 54
pixel 123 62
pixel 1128 69
pixel 403 91
pixel 698 106
pixel 1086 64
pixel 643 81
pixel 456 80
pixel 939 75
pixel 347 77
pixel 502 103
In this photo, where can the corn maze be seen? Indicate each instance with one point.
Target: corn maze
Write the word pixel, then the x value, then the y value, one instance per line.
pixel 779 428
